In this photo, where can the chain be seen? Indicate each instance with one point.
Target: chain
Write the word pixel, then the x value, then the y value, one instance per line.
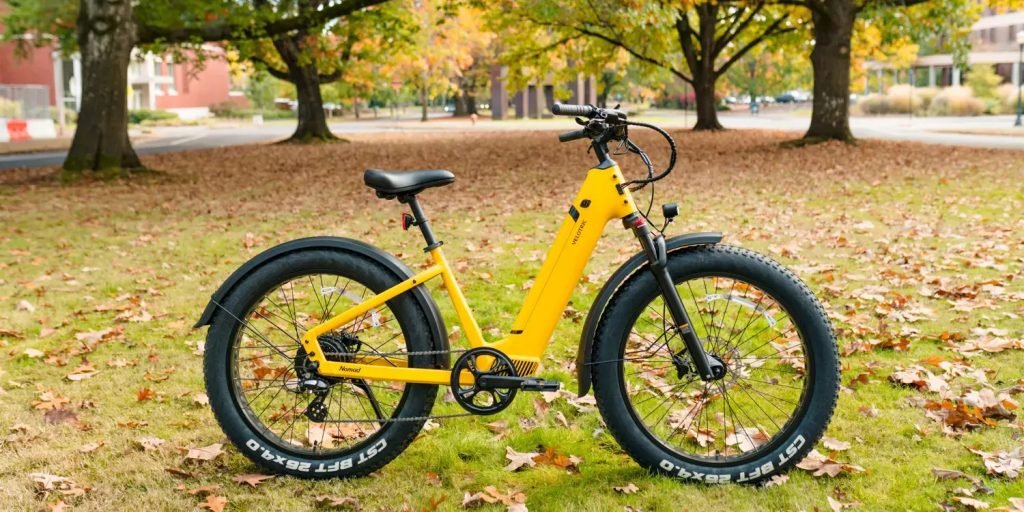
pixel 383 355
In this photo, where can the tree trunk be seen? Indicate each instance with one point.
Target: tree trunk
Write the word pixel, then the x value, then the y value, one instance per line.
pixel 833 28
pixel 704 99
pixel 312 125
pixel 460 106
pixel 465 104
pixel 106 35
pixel 423 102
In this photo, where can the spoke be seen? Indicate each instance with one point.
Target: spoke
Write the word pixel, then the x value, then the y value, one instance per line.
pixel 765 413
pixel 696 306
pixel 755 349
pixel 762 393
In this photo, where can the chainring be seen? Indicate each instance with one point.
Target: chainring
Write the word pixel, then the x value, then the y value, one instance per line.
pixel 474 398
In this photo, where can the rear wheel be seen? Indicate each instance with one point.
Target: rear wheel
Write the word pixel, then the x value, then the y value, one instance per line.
pixel 780 386
pixel 265 391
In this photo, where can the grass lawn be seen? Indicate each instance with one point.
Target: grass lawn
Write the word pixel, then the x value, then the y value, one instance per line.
pixel 916 250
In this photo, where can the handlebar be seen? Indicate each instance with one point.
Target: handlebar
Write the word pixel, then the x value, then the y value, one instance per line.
pixel 604 125
pixel 573 135
pixel 560 109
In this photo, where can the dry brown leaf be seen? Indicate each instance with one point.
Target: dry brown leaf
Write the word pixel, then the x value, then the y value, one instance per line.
pixel 517 460
pixel 820 465
pixel 344 502
pixel 251 479
pixel 835 445
pixel 205 453
pixel 150 443
pixel 214 503
pixel 970 502
pixel 629 488
pixel 91 447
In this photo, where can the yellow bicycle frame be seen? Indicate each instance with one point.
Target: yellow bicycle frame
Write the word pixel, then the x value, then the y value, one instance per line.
pixel 599 201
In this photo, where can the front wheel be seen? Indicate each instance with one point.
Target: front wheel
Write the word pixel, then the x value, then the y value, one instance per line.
pixel 757 318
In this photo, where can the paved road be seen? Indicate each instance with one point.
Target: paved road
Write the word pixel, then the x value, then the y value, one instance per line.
pixel 930 130
pixel 927 130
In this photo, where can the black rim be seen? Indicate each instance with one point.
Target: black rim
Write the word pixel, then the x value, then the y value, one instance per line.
pixel 281 397
pixel 736 419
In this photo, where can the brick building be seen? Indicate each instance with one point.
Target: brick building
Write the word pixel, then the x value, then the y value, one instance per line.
pixel 155 81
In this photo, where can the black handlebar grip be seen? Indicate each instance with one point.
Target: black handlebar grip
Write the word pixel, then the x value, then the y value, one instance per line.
pixel 560 109
pixel 571 136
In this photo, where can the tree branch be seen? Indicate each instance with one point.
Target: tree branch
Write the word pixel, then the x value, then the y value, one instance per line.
pixel 685 35
pixel 737 27
pixel 771 31
pixel 221 31
pixel 333 76
pixel 633 52
pixel 274 72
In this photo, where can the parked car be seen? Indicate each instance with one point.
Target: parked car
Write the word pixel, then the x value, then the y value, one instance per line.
pixel 785 98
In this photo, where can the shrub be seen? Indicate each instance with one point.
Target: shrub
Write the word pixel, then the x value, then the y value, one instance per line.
pixel 229 110
pixel 956 101
pixel 927 94
pixel 142 115
pixel 10 108
pixel 1008 95
pixel 874 104
pixel 983 81
pixel 902 99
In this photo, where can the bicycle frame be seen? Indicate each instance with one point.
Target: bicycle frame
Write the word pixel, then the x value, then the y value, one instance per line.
pixel 600 200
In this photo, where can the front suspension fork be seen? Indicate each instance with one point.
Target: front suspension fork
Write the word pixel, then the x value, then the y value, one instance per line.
pixel 707 367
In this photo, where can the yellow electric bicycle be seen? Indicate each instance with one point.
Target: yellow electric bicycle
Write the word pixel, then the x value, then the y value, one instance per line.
pixel 708 362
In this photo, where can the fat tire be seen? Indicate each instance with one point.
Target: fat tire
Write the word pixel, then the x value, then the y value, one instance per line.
pixel 362 458
pixel 818 402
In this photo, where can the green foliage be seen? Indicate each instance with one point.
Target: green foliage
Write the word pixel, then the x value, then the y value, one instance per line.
pixel 556 38
pixel 229 110
pixel 143 115
pixel 984 82
pixel 44 20
pixel 261 90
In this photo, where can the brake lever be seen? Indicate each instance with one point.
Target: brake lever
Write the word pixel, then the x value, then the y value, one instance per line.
pixel 580 121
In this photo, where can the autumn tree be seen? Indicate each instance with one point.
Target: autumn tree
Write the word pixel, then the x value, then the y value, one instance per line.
pixel 105 32
pixel 313 55
pixel 696 42
pixel 450 52
pixel 834 22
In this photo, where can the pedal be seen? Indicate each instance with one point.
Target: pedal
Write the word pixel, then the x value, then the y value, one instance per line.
pixel 540 385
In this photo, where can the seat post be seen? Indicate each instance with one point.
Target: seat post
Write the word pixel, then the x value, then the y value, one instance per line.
pixel 421 221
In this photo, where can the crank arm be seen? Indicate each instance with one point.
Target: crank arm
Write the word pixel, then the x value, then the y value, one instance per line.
pixel 524 383
pixel 707 368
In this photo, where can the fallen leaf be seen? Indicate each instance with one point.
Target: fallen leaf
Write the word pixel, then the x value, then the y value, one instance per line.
pixel 629 488
pixel 214 503
pixel 91 447
pixel 835 445
pixel 205 453
pixel 970 502
pixel 251 479
pixel 150 443
pixel 517 461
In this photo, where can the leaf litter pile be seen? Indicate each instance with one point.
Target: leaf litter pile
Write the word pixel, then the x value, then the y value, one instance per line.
pixel 916 251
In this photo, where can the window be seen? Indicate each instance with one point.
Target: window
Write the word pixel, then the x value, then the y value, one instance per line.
pixel 173 87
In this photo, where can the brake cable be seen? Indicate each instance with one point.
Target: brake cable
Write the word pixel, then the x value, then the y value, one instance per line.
pixel 638 184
